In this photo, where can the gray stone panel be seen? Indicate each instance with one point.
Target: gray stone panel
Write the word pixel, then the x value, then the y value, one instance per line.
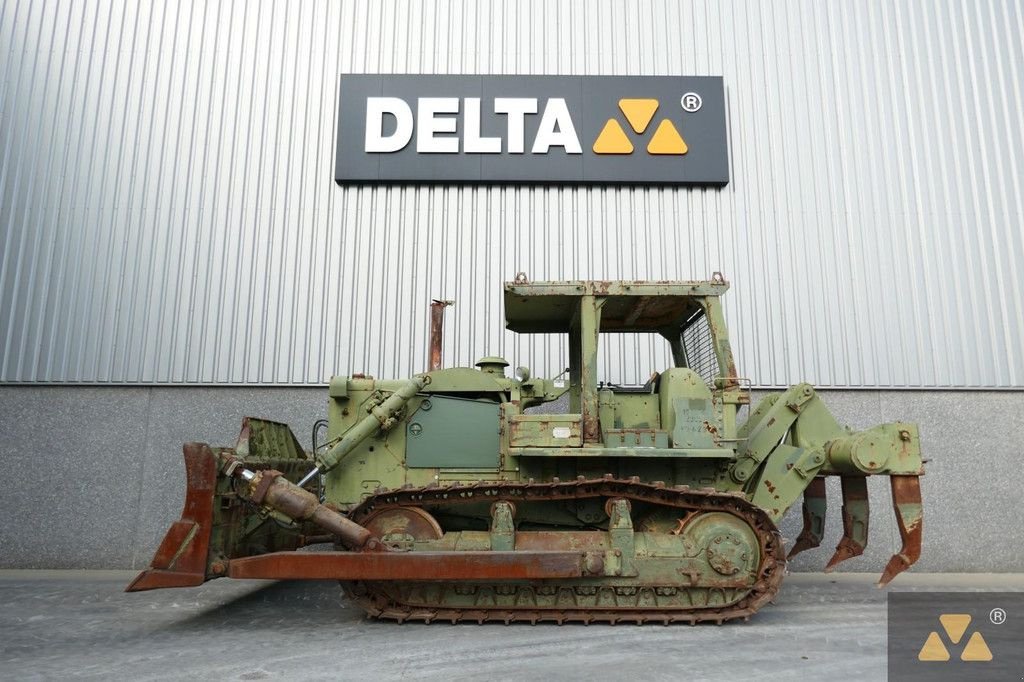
pixel 95 474
pixel 72 462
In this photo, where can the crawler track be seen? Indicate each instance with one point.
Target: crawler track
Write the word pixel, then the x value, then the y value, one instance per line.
pixel 592 600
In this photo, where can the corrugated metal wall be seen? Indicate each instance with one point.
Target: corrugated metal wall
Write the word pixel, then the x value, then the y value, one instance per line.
pixel 169 215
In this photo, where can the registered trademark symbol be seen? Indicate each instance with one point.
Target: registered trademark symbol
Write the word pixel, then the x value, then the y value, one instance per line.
pixel 997 616
pixel 691 102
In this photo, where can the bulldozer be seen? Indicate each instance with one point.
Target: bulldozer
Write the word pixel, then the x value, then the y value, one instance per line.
pixel 464 494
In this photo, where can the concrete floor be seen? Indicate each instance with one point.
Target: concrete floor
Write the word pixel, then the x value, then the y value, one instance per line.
pixel 56 624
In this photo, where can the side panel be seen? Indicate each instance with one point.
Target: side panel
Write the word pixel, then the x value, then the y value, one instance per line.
pixel 545 430
pixel 453 433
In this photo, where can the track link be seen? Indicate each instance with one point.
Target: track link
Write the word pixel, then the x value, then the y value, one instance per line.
pixel 375 599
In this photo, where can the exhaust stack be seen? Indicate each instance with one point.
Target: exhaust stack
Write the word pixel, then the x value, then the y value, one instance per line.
pixel 436 333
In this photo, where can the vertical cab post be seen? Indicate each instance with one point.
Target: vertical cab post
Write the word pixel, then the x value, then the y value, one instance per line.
pixel 720 333
pixel 588 329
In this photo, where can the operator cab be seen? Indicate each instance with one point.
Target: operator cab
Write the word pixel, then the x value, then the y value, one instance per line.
pixel 690 405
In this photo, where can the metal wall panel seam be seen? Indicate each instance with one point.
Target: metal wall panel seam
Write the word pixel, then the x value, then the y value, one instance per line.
pixel 985 292
pixel 5 174
pixel 1006 214
pixel 872 85
pixel 52 210
pixel 42 212
pixel 52 357
pixel 149 366
pixel 207 351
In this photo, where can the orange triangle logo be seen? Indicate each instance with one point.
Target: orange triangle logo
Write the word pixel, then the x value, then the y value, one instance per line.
pixel 639 112
pixel 933 649
pixel 976 649
pixel 955 625
pixel 667 140
pixel 612 140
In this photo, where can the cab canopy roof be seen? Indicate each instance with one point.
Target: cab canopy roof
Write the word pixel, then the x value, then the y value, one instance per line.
pixel 630 306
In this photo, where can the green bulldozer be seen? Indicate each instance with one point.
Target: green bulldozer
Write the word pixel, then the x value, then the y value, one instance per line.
pixel 463 494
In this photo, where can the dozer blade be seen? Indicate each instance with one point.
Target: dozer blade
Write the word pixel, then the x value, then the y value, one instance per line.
pixel 906 500
pixel 217 524
pixel 855 521
pixel 814 509
pixel 180 561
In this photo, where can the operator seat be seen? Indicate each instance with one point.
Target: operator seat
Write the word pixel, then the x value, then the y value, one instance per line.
pixel 686 406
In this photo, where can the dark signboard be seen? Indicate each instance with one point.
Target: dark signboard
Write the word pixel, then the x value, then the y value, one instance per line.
pixel 532 129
